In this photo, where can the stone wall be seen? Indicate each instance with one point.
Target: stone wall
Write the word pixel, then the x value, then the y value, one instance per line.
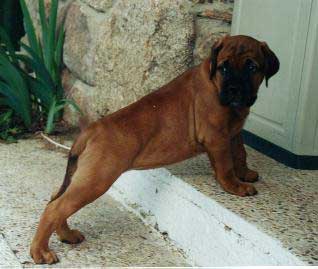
pixel 116 51
pixel 212 20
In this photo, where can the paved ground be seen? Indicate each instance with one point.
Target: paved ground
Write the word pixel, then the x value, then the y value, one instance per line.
pixel 114 237
pixel 286 207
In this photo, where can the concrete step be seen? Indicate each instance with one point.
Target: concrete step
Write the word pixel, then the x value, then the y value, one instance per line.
pixel 286 208
pixel 279 226
pixel 114 236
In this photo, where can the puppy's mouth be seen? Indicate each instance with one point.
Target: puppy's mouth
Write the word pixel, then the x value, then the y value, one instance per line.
pixel 236 98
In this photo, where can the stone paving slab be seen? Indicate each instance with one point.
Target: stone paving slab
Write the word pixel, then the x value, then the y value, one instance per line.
pixel 114 237
pixel 7 257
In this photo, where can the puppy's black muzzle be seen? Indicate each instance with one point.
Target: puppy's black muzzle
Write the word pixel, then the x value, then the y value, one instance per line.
pixel 236 97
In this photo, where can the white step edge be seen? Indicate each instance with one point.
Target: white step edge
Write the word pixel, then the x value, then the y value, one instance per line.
pixel 7 257
pixel 208 233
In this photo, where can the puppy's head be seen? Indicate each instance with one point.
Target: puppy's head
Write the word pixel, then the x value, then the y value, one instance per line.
pixel 239 64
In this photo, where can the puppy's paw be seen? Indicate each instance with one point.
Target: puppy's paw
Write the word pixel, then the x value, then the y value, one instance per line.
pixel 246 189
pixel 71 237
pixel 240 189
pixel 42 256
pixel 250 176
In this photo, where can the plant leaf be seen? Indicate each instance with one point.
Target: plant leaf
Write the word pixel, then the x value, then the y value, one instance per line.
pixel 45 34
pixel 20 105
pixel 15 89
pixel 5 117
pixel 42 92
pixel 29 27
pixel 38 67
pixel 51 34
pixel 3 101
pixel 50 118
pixel 41 56
pixel 72 104
pixel 8 44
pixel 59 48
pixel 11 76
pixel 59 108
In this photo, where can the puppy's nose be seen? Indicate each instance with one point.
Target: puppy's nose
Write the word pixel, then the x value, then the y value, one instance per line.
pixel 236 94
pixel 233 91
pixel 233 88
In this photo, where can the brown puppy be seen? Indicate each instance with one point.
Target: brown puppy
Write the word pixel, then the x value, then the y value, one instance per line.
pixel 203 110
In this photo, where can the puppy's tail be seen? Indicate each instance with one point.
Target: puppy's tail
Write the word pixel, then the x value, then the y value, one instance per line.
pixel 70 170
pixel 76 150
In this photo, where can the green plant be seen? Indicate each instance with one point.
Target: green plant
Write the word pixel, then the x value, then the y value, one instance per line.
pixel 11 19
pixel 35 97
pixel 14 92
pixel 45 59
pixel 8 128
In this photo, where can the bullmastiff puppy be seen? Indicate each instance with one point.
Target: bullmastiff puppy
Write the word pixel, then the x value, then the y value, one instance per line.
pixel 202 110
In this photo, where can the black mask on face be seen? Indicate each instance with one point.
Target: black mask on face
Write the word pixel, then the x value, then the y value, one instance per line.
pixel 237 85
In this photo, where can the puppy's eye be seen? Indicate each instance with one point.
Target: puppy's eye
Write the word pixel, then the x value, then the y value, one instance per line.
pixel 223 69
pixel 252 68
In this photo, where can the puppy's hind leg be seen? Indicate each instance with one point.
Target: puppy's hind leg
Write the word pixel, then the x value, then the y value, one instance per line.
pixel 94 175
pixel 68 235
pixel 65 234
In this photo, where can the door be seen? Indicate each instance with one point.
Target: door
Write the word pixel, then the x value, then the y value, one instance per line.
pixel 284 26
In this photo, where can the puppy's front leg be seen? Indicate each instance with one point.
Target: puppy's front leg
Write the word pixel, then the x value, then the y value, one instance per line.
pixel 239 159
pixel 221 157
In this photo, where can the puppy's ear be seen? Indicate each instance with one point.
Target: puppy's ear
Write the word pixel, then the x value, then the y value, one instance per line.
pixel 271 65
pixel 216 48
